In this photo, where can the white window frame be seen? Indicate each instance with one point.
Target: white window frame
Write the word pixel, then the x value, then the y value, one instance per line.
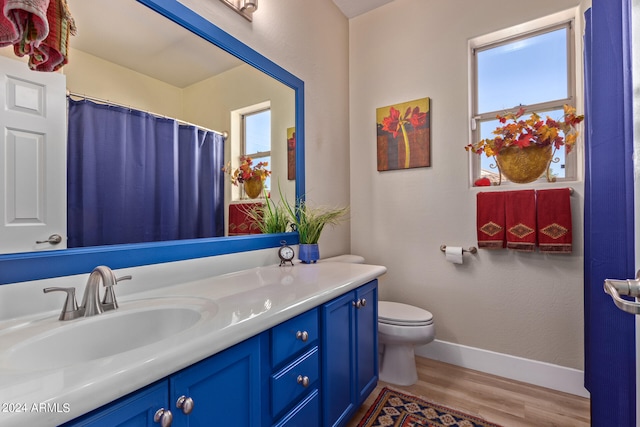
pixel 244 139
pixel 237 144
pixel 568 18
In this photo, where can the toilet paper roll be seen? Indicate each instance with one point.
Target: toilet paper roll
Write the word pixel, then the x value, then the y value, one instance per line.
pixel 454 254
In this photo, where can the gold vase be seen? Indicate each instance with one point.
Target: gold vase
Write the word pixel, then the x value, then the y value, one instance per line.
pixel 253 187
pixel 522 165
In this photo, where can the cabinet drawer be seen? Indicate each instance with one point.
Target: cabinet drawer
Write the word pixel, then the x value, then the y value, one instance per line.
pixel 287 384
pixel 289 338
pixel 306 414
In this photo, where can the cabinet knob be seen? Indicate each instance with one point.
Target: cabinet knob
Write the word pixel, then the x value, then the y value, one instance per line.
pixel 164 417
pixel 302 336
pixel 185 403
pixel 363 303
pixel 357 303
pixel 303 380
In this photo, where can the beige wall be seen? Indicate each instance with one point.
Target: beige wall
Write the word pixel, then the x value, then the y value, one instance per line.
pixel 527 305
pixel 92 76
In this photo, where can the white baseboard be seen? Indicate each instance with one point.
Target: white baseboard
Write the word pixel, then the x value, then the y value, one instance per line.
pixel 542 374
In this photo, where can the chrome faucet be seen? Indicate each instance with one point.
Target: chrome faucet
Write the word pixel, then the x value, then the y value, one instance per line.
pixel 91 304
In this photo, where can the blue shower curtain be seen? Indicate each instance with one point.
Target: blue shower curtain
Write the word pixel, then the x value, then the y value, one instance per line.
pixel 135 177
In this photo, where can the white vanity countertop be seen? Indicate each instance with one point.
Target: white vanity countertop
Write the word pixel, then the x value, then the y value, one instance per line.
pixel 248 302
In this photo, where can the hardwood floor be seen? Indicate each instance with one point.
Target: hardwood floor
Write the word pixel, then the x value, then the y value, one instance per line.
pixel 496 399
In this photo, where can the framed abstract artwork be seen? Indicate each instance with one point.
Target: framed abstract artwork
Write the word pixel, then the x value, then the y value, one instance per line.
pixel 404 135
pixel 291 153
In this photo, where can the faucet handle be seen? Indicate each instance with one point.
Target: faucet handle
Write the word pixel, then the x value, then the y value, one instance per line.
pixel 109 300
pixel 70 309
pixel 127 277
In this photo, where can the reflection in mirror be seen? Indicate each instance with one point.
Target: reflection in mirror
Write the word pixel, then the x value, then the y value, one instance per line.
pixel 152 64
pixel 161 68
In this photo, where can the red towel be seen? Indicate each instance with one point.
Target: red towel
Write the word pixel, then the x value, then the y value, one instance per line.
pixel 554 221
pixel 53 52
pixel 240 223
pixel 29 18
pixel 490 220
pixel 520 213
pixel 8 30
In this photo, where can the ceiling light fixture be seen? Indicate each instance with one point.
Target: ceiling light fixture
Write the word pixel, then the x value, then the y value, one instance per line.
pixel 243 7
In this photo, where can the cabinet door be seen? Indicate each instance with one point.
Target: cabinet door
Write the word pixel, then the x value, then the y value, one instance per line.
pixel 338 330
pixel 134 410
pixel 226 389
pixel 366 340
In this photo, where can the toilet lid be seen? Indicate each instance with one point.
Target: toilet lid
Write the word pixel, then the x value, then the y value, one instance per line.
pixel 395 313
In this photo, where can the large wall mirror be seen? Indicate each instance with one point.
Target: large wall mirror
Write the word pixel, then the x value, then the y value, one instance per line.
pixel 161 57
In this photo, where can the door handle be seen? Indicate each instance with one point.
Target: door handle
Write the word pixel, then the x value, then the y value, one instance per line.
pixel 54 239
pixel 631 287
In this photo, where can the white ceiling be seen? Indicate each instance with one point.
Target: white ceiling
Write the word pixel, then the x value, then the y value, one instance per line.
pixel 130 34
pixel 353 8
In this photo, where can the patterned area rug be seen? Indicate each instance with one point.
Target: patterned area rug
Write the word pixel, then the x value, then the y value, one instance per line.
pixel 395 409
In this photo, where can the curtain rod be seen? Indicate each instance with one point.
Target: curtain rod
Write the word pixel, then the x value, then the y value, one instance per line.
pixel 115 104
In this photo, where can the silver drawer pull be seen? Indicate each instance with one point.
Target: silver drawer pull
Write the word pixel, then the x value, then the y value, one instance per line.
pixel 185 403
pixel 363 303
pixel 302 336
pixel 303 380
pixel 164 417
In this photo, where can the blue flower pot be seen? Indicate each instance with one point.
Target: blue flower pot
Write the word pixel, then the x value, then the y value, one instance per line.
pixel 308 253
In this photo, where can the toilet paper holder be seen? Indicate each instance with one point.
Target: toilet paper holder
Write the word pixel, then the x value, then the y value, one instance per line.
pixel 472 249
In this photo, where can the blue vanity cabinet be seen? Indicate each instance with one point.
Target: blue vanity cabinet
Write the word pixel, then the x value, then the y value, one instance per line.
pixel 349 352
pixel 134 410
pixel 295 379
pixel 312 370
pixel 225 389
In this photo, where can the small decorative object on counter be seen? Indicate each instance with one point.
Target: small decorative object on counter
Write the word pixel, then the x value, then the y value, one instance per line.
pixel 524 149
pixel 309 222
pixel 285 253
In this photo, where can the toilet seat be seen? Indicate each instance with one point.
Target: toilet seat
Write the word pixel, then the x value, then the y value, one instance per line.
pixel 398 314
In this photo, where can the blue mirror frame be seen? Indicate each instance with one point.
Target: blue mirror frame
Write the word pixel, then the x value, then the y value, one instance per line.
pixel 41 265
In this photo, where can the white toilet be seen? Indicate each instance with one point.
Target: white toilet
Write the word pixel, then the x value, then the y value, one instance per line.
pixel 400 328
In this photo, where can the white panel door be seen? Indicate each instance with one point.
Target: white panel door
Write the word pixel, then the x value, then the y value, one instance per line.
pixel 33 158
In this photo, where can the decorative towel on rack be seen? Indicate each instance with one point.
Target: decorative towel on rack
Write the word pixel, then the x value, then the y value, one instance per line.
pixel 8 30
pixel 240 223
pixel 520 213
pixel 490 220
pixel 52 53
pixel 554 221
pixel 29 18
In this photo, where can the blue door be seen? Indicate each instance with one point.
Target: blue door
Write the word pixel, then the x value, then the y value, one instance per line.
pixel 609 212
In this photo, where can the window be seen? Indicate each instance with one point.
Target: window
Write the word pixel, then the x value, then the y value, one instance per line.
pixel 256 138
pixel 533 70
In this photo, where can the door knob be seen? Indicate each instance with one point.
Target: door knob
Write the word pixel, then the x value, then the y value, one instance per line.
pixel 54 239
pixel 616 288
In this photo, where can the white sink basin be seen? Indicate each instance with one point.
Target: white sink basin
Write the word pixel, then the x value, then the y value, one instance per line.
pixel 56 344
